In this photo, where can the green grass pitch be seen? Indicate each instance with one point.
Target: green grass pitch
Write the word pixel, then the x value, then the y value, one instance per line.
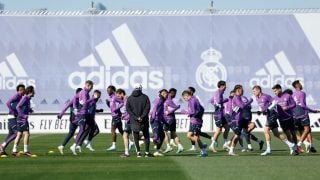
pixel 108 165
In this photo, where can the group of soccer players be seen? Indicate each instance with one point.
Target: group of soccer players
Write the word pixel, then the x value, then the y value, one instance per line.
pixel 286 108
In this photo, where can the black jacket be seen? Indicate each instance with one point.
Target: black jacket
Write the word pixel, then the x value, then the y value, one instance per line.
pixel 138 106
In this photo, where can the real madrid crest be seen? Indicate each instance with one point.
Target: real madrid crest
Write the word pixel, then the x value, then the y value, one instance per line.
pixel 210 71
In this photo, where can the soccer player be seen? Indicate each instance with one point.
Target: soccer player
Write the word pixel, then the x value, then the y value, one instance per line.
pixel 170 123
pixel 81 111
pixel 285 104
pixel 115 104
pixel 157 120
pixel 12 118
pixel 23 108
pixel 203 134
pixel 195 112
pixel 127 128
pixel 237 122
pixel 72 124
pixel 91 128
pixel 266 108
pixel 301 113
pixel 218 102
pixel 138 107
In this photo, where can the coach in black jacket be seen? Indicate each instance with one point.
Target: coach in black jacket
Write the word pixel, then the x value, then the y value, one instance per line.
pixel 138 107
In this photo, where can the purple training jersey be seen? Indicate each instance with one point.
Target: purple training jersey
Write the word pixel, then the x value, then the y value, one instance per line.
pixel 23 109
pixel 170 107
pixel 284 101
pixel 301 110
pixel 12 104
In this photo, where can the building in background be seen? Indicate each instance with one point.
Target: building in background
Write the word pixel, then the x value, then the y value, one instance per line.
pixel 1 6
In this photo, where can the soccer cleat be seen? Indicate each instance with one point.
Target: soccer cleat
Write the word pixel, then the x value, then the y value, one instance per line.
pixel 73 150
pixel 308 146
pixel 180 149
pixel 299 149
pixel 250 149
pixel 60 148
pixel 168 149
pixel 148 155
pixel 112 148
pixel 192 149
pixel 313 150
pixel 157 154
pixel 131 144
pixel 124 155
pixel 3 153
pixel 79 149
pixel 85 142
pixel 212 148
pixel 226 146
pixel 261 145
pixel 231 153
pixel 203 154
pixel 243 150
pixel 139 154
pixel 266 153
pixel 27 154
pixel 89 146
pixel 1 148
pixel 15 154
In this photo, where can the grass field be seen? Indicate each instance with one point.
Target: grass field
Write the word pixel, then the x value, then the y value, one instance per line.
pixel 108 165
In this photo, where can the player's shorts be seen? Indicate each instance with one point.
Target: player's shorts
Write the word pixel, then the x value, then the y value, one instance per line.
pixel 116 121
pixel 157 130
pixel 227 118
pixel 287 124
pixel 170 126
pixel 195 129
pixel 23 127
pixel 238 126
pixel 12 125
pixel 301 123
pixel 220 121
pixel 271 121
pixel 127 127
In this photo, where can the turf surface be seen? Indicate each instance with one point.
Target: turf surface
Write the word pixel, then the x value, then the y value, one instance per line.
pixel 108 165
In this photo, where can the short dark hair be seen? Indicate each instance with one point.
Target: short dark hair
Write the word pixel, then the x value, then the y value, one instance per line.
pixel 121 91
pixel 236 87
pixel 221 83
pixel 113 88
pixel 295 83
pixel 89 82
pixel 97 91
pixel 172 90
pixel 29 89
pixel 192 89
pixel 163 90
pixel 288 91
pixel 186 92
pixel 256 87
pixel 231 91
pixel 78 90
pixel 20 86
pixel 277 86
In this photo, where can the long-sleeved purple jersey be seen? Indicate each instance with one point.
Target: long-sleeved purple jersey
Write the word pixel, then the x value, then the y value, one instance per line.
pixel 157 111
pixel 92 107
pixel 195 111
pixel 238 106
pixel 23 109
pixel 69 105
pixel 217 101
pixel 264 101
pixel 246 113
pixel 125 116
pixel 301 110
pixel 81 106
pixel 116 104
pixel 12 104
pixel 170 107
pixel 228 107
pixel 284 101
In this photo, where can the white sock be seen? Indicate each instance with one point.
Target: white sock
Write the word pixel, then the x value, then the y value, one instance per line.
pixel 225 141
pixel 3 144
pixel 299 143
pixel 268 146
pixel 130 142
pixel 126 150
pixel 249 146
pixel 89 143
pixel 213 142
pixel 25 148
pixel 14 148
pixel 288 143
pixel 231 149
pixel 180 146
pixel 193 146
pixel 171 141
pixel 113 143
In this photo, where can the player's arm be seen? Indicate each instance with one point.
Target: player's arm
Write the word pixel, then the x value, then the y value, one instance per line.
pixel 20 104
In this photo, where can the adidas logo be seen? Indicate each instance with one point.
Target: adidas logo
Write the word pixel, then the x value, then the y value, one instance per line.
pixel 278 71
pixel 12 73
pixel 114 70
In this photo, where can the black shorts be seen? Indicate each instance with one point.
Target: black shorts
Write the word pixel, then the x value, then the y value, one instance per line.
pixel 238 126
pixel 127 127
pixel 171 126
pixel 23 127
pixel 220 121
pixel 116 121
pixel 195 129
pixel 301 123
pixel 271 121
pixel 287 124
pixel 12 125
pixel 228 118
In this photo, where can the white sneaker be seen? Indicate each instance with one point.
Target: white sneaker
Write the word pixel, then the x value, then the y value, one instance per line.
pixel 266 153
pixel 157 154
pixel 243 149
pixel 85 142
pixel 111 148
pixel 131 144
pixel 231 153
pixel 79 149
pixel 168 149
pixel 89 146
pixel 73 150
pixel 192 149
pixel 180 149
pixel 308 146
pixel 60 148
pixel 226 146
pixel 212 148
